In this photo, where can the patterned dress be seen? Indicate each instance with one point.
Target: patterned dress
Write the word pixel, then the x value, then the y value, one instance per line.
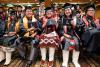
pixel 50 37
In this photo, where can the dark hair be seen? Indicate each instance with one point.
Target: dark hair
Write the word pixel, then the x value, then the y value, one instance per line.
pixel 19 6
pixel 40 1
pixel 28 7
pixel 48 8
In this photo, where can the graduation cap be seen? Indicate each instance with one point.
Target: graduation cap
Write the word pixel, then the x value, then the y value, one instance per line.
pixel 48 8
pixel 67 5
pixel 91 5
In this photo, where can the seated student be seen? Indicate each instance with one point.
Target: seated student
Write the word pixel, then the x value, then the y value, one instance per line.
pixel 92 26
pixel 9 37
pixel 2 30
pixel 69 39
pixel 29 25
pixel 49 38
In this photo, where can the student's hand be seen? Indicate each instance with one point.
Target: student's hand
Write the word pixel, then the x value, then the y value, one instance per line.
pixel 5 35
pixel 33 35
pixel 30 29
pixel 45 20
pixel 68 36
pixel 62 38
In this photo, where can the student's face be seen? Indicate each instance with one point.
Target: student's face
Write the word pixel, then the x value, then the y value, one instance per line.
pixel 49 13
pixel 68 12
pixel 19 10
pixel 78 14
pixel 29 13
pixel 91 12
pixel 56 12
pixel 78 7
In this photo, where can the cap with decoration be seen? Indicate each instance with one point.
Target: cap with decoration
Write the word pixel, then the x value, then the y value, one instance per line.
pixel 90 5
pixel 48 8
pixel 67 5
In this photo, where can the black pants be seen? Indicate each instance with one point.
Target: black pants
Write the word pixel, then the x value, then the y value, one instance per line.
pixel 89 39
pixel 94 44
pixel 88 35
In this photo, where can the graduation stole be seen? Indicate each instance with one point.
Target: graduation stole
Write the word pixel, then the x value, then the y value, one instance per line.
pixel 25 24
pixel 87 22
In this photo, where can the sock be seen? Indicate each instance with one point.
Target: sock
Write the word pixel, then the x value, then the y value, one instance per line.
pixel 65 57
pixel 43 53
pixel 75 58
pixel 51 53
